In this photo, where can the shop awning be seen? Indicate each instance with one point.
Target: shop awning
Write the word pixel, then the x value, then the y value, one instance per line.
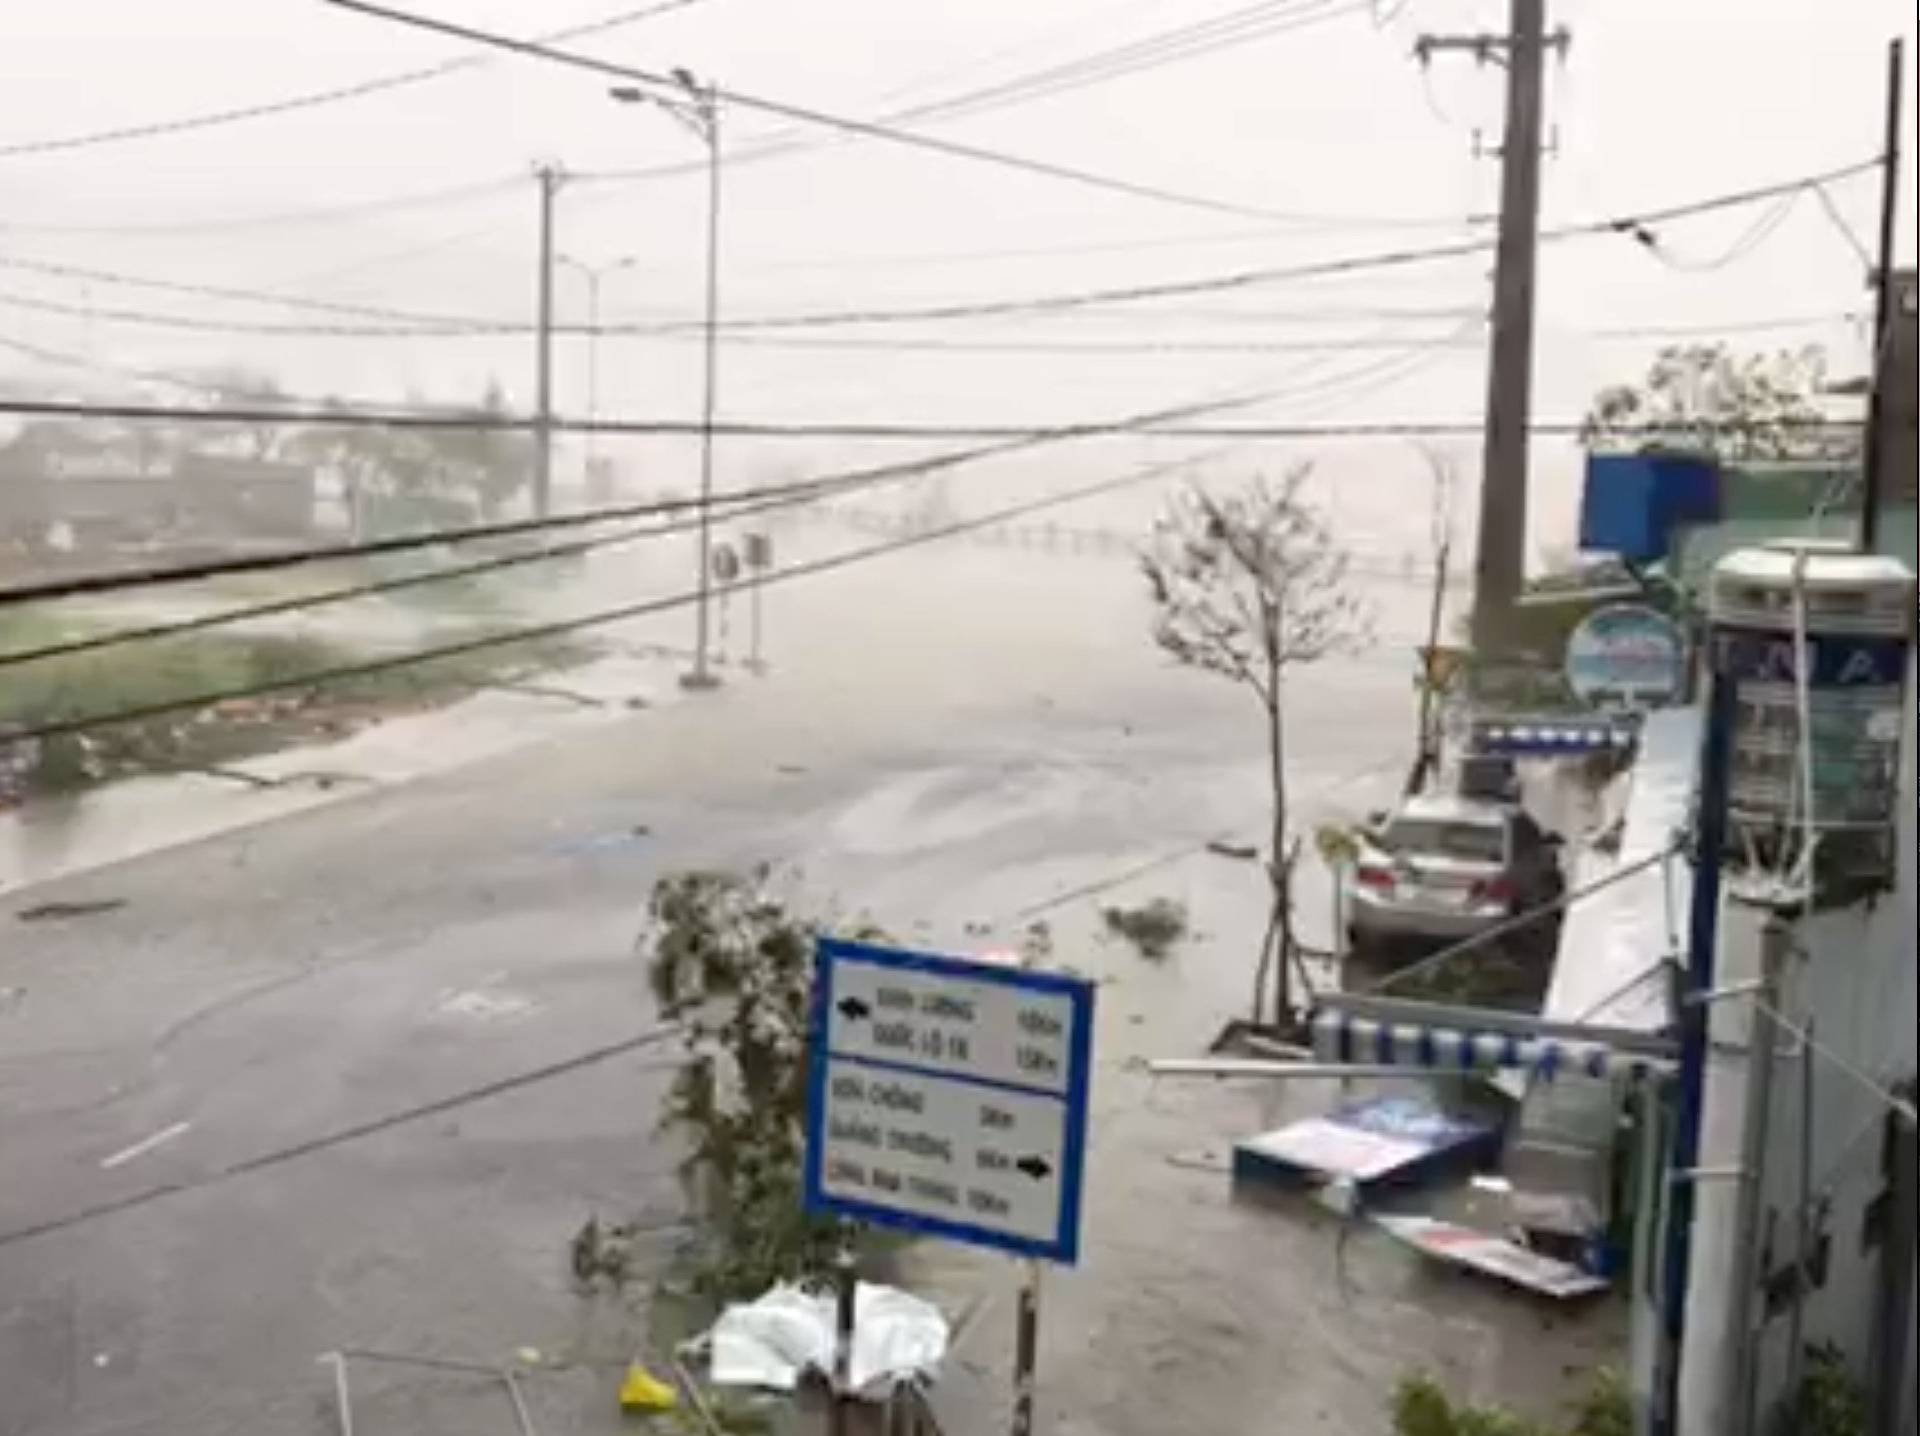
pixel 1435 1037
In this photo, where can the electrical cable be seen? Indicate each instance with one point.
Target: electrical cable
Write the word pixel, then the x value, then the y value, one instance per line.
pixel 308 100
pixel 1003 443
pixel 798 429
pixel 460 327
pixel 789 142
pixel 417 199
pixel 561 627
pixel 732 509
pixel 1894 1103
pixel 1854 241
pixel 1235 28
pixel 199 325
pixel 1520 921
pixel 653 1037
pixel 953 149
pixel 1750 239
pixel 428 322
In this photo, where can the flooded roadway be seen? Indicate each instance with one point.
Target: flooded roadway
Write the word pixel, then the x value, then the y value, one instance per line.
pixel 956 742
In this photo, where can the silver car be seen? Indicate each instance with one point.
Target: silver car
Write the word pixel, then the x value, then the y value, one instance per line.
pixel 1447 868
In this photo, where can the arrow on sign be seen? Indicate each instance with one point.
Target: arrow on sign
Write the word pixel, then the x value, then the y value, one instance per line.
pixel 1035 1167
pixel 854 1009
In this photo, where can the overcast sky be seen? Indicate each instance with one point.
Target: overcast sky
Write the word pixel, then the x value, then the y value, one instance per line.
pixel 1328 126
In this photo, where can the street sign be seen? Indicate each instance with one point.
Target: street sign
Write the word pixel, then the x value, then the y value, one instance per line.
pixel 949 1097
pixel 1627 656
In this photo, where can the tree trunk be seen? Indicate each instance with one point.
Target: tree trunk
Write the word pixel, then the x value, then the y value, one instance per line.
pixel 1277 954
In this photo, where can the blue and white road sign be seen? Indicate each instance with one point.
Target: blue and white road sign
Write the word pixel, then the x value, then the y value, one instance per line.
pixel 949 1097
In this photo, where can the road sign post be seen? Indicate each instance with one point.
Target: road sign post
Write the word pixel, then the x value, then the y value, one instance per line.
pixel 949 1098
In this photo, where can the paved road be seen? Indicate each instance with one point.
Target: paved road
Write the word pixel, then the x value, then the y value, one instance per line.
pixel 949 761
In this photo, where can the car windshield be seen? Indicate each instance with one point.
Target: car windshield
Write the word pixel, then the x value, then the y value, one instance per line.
pixel 1432 837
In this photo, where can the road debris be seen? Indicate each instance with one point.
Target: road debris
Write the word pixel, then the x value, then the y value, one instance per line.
pixel 1492 1256
pixel 770 1343
pixel 642 1391
pixel 1153 928
pixel 61 911
pixel 343 1395
pixel 1239 852
pixel 1395 1139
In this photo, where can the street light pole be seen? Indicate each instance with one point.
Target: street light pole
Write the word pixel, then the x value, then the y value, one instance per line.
pixel 700 114
pixel 593 274
pixel 710 116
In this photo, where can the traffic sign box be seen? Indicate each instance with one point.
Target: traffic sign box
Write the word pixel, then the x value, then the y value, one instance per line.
pixel 949 1097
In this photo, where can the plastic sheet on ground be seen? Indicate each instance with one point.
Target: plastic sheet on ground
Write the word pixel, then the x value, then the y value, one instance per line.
pixel 773 1341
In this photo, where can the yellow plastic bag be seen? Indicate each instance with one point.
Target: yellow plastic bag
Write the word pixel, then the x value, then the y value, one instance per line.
pixel 643 1391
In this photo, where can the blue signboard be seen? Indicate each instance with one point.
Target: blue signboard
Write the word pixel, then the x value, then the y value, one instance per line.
pixel 949 1097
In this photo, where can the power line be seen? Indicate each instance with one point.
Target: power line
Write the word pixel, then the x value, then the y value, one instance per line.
pixel 450 326
pixel 185 124
pixel 600 618
pixel 1014 91
pixel 736 506
pixel 786 110
pixel 197 324
pixel 800 429
pixel 1251 278
pixel 1235 28
pixel 426 322
pixel 1847 232
pixel 416 199
pixel 1002 443
pixel 1763 228
pixel 651 1038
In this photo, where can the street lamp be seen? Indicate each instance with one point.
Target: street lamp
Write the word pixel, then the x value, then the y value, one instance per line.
pixel 593 274
pixel 699 112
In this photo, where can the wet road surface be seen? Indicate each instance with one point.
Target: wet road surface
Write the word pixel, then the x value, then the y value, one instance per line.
pixel 953 766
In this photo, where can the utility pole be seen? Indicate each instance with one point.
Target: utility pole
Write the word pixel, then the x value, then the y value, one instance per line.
pixel 550 177
pixel 1742 1374
pixel 1883 308
pixel 1500 567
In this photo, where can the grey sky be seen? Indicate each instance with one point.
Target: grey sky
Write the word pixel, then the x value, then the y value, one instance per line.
pixel 1660 102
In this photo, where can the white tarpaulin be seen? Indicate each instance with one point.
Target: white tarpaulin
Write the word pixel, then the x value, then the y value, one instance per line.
pixel 773 1341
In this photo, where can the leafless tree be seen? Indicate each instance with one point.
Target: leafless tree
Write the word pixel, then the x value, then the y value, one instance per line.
pixel 1250 585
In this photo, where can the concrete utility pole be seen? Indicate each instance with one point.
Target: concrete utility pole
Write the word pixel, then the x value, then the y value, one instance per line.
pixel 1884 319
pixel 551 177
pixel 1500 568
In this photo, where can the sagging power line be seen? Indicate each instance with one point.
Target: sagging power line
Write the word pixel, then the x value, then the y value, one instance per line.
pixel 803 429
pixel 415 325
pixel 209 119
pixel 868 129
pixel 600 618
pixel 1000 444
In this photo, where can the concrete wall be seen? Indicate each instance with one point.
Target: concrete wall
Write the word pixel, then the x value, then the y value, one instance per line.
pixel 1856 983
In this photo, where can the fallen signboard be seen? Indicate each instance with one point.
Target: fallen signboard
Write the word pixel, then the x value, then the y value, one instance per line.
pixel 949 1097
pixel 1385 1141
pixel 1492 1256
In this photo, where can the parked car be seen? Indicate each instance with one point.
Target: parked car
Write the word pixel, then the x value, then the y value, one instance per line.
pixel 1447 868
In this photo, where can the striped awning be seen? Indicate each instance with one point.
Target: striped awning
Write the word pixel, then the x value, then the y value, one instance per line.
pixel 1363 1041
pixel 1553 737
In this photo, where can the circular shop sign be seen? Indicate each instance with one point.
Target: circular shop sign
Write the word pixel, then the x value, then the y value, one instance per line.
pixel 1627 656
